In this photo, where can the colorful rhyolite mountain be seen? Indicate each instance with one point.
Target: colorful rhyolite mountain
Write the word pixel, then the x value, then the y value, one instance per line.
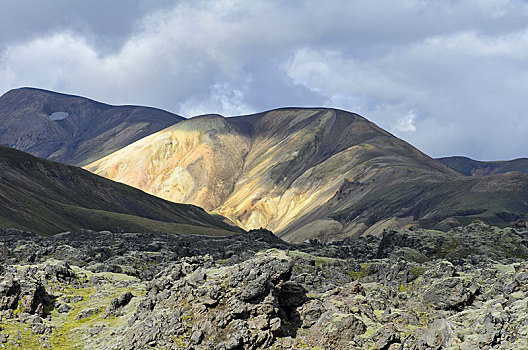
pixel 308 173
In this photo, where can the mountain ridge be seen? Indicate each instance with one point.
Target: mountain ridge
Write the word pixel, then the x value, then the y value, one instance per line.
pixel 304 173
pixel 269 143
pixel 471 167
pixel 82 129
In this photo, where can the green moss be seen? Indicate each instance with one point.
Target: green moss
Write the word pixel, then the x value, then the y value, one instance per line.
pixel 358 274
pixel 379 314
pixel 67 330
pixel 180 341
pixel 187 317
pixel 403 288
pixel 371 330
pixel 417 270
pixel 16 329
pixel 337 303
pixel 62 336
pixel 423 318
pixel 303 345
pixel 365 266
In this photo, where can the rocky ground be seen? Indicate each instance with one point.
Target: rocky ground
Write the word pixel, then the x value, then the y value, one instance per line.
pixel 410 289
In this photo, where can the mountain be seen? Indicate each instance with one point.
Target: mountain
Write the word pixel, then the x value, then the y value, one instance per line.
pixel 302 172
pixel 72 129
pixel 308 173
pixel 472 167
pixel 48 197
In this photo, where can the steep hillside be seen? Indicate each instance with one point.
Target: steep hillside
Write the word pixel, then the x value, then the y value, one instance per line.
pixel 498 199
pixel 48 197
pixel 472 167
pixel 72 129
pixel 302 173
pixel 195 161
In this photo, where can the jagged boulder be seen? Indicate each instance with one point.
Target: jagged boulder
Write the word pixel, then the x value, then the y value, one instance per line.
pixel 23 295
pixel 452 293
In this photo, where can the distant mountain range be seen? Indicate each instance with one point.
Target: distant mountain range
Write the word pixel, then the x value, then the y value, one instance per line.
pixel 301 172
pixel 470 167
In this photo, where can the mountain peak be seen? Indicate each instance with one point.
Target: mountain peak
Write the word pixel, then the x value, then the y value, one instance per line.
pixel 279 169
pixel 73 129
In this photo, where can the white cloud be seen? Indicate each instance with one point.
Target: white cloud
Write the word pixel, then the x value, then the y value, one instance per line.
pixel 223 100
pixel 406 123
pixel 467 80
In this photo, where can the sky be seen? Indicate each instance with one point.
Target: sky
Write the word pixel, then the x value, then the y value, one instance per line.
pixel 450 77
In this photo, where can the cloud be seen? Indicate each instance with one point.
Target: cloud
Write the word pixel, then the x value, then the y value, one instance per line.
pixel 406 123
pixel 224 100
pixel 448 76
pixel 107 24
pixel 466 81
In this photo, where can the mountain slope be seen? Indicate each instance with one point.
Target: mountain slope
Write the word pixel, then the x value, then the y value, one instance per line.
pixel 72 129
pixel 472 167
pixel 48 197
pixel 295 171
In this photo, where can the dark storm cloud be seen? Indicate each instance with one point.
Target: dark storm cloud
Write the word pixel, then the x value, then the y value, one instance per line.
pixel 107 23
pixel 448 76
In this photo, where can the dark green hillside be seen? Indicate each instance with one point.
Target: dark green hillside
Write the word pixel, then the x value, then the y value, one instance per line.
pixel 497 199
pixel 48 197
pixel 472 167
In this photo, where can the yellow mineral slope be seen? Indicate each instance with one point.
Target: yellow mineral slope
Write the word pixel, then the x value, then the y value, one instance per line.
pixel 195 161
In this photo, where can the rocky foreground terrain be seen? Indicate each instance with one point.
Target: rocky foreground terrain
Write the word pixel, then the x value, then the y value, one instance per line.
pixel 409 289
